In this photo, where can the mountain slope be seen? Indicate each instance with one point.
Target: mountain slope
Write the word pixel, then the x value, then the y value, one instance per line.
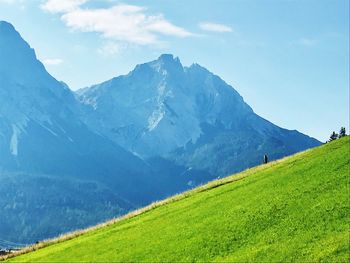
pixel 47 154
pixel 295 209
pixel 38 115
pixel 185 115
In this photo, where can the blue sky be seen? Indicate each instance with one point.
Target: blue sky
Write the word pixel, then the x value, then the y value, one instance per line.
pixel 289 59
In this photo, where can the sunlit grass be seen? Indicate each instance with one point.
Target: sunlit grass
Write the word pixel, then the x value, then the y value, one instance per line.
pixel 294 209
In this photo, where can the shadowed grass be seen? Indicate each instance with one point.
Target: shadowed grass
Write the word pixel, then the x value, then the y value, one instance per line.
pixel 293 209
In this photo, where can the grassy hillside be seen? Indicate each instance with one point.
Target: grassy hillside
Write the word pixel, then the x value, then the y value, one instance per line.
pixel 295 209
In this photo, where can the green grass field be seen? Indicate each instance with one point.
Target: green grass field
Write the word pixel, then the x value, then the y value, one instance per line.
pixel 295 209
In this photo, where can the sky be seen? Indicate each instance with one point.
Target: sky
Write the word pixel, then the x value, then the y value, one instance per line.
pixel 289 59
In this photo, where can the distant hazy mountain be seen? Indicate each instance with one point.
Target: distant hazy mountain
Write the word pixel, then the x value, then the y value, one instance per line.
pixel 186 115
pixel 71 160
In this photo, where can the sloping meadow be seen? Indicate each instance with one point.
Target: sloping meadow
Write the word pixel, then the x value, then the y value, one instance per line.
pixel 294 209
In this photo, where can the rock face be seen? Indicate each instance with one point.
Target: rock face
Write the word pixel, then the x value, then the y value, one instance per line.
pixel 186 115
pixel 69 160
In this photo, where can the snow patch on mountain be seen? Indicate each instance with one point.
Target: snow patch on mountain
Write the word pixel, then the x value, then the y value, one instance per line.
pixel 14 140
pixel 155 118
pixel 17 129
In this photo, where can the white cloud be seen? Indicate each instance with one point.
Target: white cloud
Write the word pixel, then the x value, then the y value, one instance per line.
pixel 160 25
pixel 62 6
pixel 52 61
pixel 121 22
pixel 213 27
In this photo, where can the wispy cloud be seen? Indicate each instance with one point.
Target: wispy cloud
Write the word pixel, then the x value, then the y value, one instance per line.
pixel 214 27
pixel 52 61
pixel 121 22
pixel 62 6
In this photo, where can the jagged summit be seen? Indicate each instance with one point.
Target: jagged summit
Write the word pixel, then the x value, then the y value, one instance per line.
pixel 162 109
pixel 166 64
pixel 198 67
pixel 168 58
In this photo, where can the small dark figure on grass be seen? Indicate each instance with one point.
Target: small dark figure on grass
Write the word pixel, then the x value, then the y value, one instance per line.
pixel 342 132
pixel 266 159
pixel 333 136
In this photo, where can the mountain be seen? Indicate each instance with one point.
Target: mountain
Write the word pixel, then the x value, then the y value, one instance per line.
pixel 295 209
pixel 164 112
pixel 69 160
pixel 49 157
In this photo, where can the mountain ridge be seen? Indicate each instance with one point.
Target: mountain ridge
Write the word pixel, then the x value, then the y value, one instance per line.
pixel 160 108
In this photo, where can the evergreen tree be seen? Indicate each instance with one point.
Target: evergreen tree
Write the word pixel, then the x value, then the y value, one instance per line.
pixel 342 132
pixel 333 136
